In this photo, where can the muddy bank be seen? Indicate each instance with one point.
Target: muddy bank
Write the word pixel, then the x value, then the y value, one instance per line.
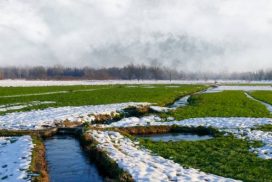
pixel 148 130
pixel 38 164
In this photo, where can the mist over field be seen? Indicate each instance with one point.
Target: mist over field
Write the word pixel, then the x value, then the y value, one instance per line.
pixel 188 35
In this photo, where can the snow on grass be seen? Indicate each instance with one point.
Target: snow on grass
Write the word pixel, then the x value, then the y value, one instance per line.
pixel 15 158
pixel 172 86
pixel 239 87
pixel 39 119
pixel 239 126
pixel 265 151
pixel 17 106
pixel 47 93
pixel 144 166
pixel 216 122
pixel 160 109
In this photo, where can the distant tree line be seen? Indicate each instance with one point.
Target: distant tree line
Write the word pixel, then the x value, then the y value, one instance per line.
pixel 129 72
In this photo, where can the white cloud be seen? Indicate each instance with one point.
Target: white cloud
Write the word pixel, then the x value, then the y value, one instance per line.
pixel 214 35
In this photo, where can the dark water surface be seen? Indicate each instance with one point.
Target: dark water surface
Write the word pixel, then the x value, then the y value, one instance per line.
pixel 67 162
pixel 175 137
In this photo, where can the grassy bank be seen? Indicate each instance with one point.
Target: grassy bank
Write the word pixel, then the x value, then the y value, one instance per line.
pixel 38 162
pixel 222 104
pixel 105 164
pixel 224 156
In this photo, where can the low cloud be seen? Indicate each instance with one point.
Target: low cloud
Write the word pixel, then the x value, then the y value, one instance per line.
pixel 189 35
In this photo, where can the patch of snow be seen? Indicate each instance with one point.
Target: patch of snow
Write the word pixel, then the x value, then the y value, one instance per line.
pixel 144 166
pixel 17 106
pixel 46 93
pixel 216 122
pixel 237 87
pixel 159 109
pixel 172 86
pixel 265 151
pixel 37 119
pixel 15 158
pixel 134 121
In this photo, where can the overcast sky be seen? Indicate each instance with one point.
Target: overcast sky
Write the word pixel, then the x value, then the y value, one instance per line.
pixel 190 35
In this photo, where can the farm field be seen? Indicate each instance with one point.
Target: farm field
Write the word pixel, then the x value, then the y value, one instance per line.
pixel 238 146
pixel 221 104
pixel 224 156
pixel 265 96
pixel 58 96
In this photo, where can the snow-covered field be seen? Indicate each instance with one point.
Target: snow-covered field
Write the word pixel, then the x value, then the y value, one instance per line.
pixel 142 165
pixel 243 88
pixel 27 83
pixel 239 126
pixel 38 119
pixel 15 158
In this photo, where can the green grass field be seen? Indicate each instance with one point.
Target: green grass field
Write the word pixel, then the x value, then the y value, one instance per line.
pixel 93 95
pixel 221 104
pixel 224 156
pixel 265 96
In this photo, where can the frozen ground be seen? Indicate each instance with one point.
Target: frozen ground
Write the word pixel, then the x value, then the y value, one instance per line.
pixel 142 165
pixel 15 158
pixel 25 83
pixel 38 119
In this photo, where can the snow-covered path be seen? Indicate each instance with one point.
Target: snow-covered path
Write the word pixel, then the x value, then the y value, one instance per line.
pixel 15 158
pixel 36 119
pixel 216 122
pixel 142 165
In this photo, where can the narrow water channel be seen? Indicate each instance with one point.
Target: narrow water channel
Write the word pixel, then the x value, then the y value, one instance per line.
pixel 175 137
pixel 67 161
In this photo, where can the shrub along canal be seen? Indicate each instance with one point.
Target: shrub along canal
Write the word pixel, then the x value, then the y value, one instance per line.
pixel 68 162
